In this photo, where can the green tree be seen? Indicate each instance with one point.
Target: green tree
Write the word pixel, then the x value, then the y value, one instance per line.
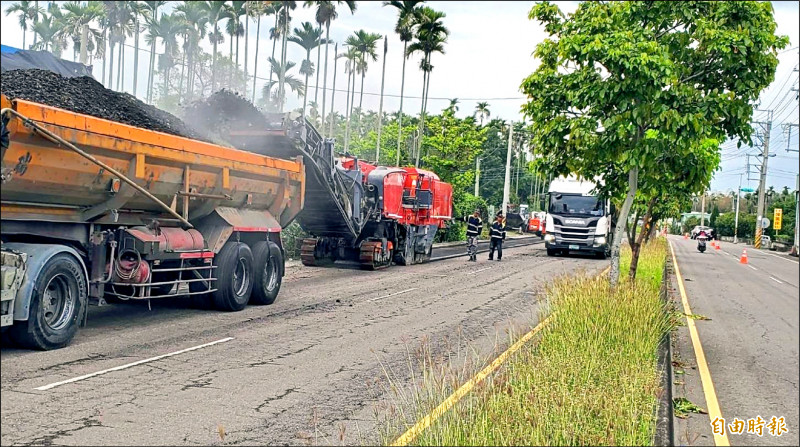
pixel 196 18
pixel 431 35
pixel 274 100
pixel 482 111
pixel 366 45
pixel 216 11
pixel 326 13
pixel 406 21
pixel 620 83
pixel 49 30
pixel 26 12
pixel 151 19
pixel 308 38
pixel 80 15
pixel 712 221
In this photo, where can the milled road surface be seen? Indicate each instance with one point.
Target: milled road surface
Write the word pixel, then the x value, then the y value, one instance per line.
pixel 307 369
pixel 750 343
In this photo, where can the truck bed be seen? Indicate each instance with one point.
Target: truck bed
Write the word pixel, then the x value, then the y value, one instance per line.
pixel 48 182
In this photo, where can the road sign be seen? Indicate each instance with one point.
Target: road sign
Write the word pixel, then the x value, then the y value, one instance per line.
pixel 778 218
pixel 765 223
pixel 747 190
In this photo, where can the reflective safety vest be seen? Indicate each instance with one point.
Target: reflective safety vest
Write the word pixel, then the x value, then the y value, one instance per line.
pixel 498 231
pixel 474 225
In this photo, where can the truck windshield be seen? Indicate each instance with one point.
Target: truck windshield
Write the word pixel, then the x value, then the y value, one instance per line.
pixel 564 204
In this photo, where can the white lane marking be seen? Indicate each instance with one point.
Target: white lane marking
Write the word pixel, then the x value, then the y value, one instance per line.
pixel 478 271
pixel 779 257
pixel 752 267
pixel 392 294
pixel 129 365
pixel 776 280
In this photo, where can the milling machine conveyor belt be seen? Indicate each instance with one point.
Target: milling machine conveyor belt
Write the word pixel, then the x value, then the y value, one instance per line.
pixel 327 210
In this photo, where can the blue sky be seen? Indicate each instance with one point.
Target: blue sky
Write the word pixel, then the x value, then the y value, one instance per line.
pixel 487 56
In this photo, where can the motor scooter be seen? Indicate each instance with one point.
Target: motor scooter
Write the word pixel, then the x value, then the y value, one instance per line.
pixel 701 242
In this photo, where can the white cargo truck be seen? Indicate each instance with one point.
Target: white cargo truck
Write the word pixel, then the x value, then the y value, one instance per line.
pixel 577 219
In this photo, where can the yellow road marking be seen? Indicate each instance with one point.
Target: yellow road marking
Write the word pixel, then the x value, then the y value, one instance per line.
pixel 464 389
pixel 411 434
pixel 705 375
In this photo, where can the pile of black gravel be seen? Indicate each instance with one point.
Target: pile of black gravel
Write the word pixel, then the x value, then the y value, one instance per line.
pixel 89 97
pixel 223 112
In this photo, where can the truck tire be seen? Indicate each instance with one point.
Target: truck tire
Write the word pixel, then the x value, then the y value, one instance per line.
pixel 59 299
pixel 267 275
pixel 234 277
pixel 551 252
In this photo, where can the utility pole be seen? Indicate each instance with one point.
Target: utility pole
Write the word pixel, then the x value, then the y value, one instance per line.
pixel 762 182
pixel 788 127
pixel 736 219
pixel 703 210
pixel 796 216
pixel 380 107
pixel 507 182
pixel 477 177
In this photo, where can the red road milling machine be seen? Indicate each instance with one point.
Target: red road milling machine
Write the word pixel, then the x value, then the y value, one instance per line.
pixel 354 210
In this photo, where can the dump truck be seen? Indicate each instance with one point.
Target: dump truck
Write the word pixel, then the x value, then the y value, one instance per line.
pixel 95 211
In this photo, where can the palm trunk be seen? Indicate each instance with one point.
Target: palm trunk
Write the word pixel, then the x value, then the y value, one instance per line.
pixel 151 75
pixel 214 60
pixel 105 45
pixel 347 108
pixel 136 57
pixel 400 113
pixel 236 67
pixel 246 43
pixel 333 89
pixel 282 78
pixel 421 120
pixel 111 67
pixel 150 72
pixel 325 78
pixel 274 44
pixel 119 65
pixel 230 70
pixel 622 219
pixel 361 102
pixel 380 106
pixel 316 83
pixel 255 62
pixel 305 92
pixel 189 69
pixel 183 72
pixel 425 104
pixel 23 39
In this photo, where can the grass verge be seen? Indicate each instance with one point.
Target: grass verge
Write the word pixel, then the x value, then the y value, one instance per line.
pixel 591 379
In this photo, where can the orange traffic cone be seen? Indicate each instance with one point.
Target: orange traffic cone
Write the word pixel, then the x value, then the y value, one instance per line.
pixel 743 259
pixel 716 245
pixel 685 236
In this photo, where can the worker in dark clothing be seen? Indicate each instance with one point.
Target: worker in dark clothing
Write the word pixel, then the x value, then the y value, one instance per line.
pixel 498 235
pixel 474 228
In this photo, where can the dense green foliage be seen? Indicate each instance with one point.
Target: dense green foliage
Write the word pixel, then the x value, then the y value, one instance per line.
pixel 642 93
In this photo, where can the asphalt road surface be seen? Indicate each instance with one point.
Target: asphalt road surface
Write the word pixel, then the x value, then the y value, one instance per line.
pixel 750 343
pixel 309 369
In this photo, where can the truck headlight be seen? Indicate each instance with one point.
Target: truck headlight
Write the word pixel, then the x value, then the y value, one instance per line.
pixel 600 240
pixel 549 238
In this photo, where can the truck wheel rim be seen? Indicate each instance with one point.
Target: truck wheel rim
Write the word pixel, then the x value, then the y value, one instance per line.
pixel 240 278
pixel 272 274
pixel 58 302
